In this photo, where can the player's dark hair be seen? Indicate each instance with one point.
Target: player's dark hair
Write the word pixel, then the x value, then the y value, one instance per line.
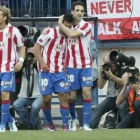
pixel 68 18
pixel 78 3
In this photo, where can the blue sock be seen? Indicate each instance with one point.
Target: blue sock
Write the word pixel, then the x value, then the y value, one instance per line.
pixel 5 112
pixel 10 118
pixel 65 114
pixel 72 110
pixel 47 113
pixel 87 111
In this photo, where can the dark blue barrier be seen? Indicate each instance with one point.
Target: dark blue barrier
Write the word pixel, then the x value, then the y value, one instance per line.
pixel 38 8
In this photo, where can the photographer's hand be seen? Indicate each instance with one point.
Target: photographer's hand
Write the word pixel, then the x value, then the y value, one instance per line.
pixel 109 73
pixel 18 66
pixel 101 81
pixel 126 82
pixel 135 87
pixel 101 69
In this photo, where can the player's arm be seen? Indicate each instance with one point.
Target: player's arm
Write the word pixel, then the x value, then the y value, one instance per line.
pixel 19 64
pixel 37 53
pixel 68 31
pixel 18 39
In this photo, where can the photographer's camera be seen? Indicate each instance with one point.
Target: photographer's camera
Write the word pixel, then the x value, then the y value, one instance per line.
pixel 106 67
pixel 30 35
pixel 134 72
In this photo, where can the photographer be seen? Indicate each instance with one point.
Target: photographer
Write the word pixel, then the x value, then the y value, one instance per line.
pixel 131 94
pixel 111 72
pixel 31 97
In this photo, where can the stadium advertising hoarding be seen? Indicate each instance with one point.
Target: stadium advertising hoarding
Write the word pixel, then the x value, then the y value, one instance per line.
pixel 118 19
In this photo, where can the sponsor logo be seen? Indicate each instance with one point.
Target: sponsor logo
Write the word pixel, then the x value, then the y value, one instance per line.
pixel 5 83
pixel 2 45
pixel 64 85
pixel 86 113
pixel 59 48
pixel 87 79
pixel 72 41
pixel 84 79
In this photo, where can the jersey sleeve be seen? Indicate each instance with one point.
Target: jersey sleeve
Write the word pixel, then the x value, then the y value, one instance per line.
pixel 85 29
pixel 43 39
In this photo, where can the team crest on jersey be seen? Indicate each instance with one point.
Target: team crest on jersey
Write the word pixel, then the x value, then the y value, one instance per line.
pixel 59 48
pixel 43 88
pixel 72 41
pixel 2 45
pixel 8 35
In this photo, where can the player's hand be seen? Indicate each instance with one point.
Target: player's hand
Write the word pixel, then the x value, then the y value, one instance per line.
pixel 18 66
pixel 44 67
pixel 60 19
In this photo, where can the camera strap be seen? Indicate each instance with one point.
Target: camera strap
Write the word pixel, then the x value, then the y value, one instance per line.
pixel 32 84
pixel 128 97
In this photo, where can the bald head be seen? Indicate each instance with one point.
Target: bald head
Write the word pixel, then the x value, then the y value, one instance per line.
pixel 106 59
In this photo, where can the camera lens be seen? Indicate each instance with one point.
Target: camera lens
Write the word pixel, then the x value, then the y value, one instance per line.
pixel 26 31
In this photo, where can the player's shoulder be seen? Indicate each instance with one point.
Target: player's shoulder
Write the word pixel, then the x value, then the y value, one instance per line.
pixel 47 31
pixel 14 27
pixel 88 24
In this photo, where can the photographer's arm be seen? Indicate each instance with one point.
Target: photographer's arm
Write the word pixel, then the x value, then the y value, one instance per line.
pixel 135 87
pixel 101 82
pixel 121 96
pixel 37 53
pixel 19 64
pixel 118 80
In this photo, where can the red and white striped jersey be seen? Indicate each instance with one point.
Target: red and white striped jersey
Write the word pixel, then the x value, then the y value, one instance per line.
pixel 78 50
pixel 10 38
pixel 53 49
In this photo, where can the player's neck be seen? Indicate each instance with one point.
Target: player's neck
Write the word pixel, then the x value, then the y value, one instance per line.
pixel 3 26
pixel 76 22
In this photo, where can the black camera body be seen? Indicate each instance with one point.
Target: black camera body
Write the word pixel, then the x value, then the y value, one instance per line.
pixel 132 79
pixel 29 57
pixel 106 67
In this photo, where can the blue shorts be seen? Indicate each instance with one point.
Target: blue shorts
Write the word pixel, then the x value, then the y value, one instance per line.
pixel 7 81
pixel 53 82
pixel 80 78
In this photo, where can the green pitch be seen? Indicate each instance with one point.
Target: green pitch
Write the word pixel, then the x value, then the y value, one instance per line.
pixel 106 134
